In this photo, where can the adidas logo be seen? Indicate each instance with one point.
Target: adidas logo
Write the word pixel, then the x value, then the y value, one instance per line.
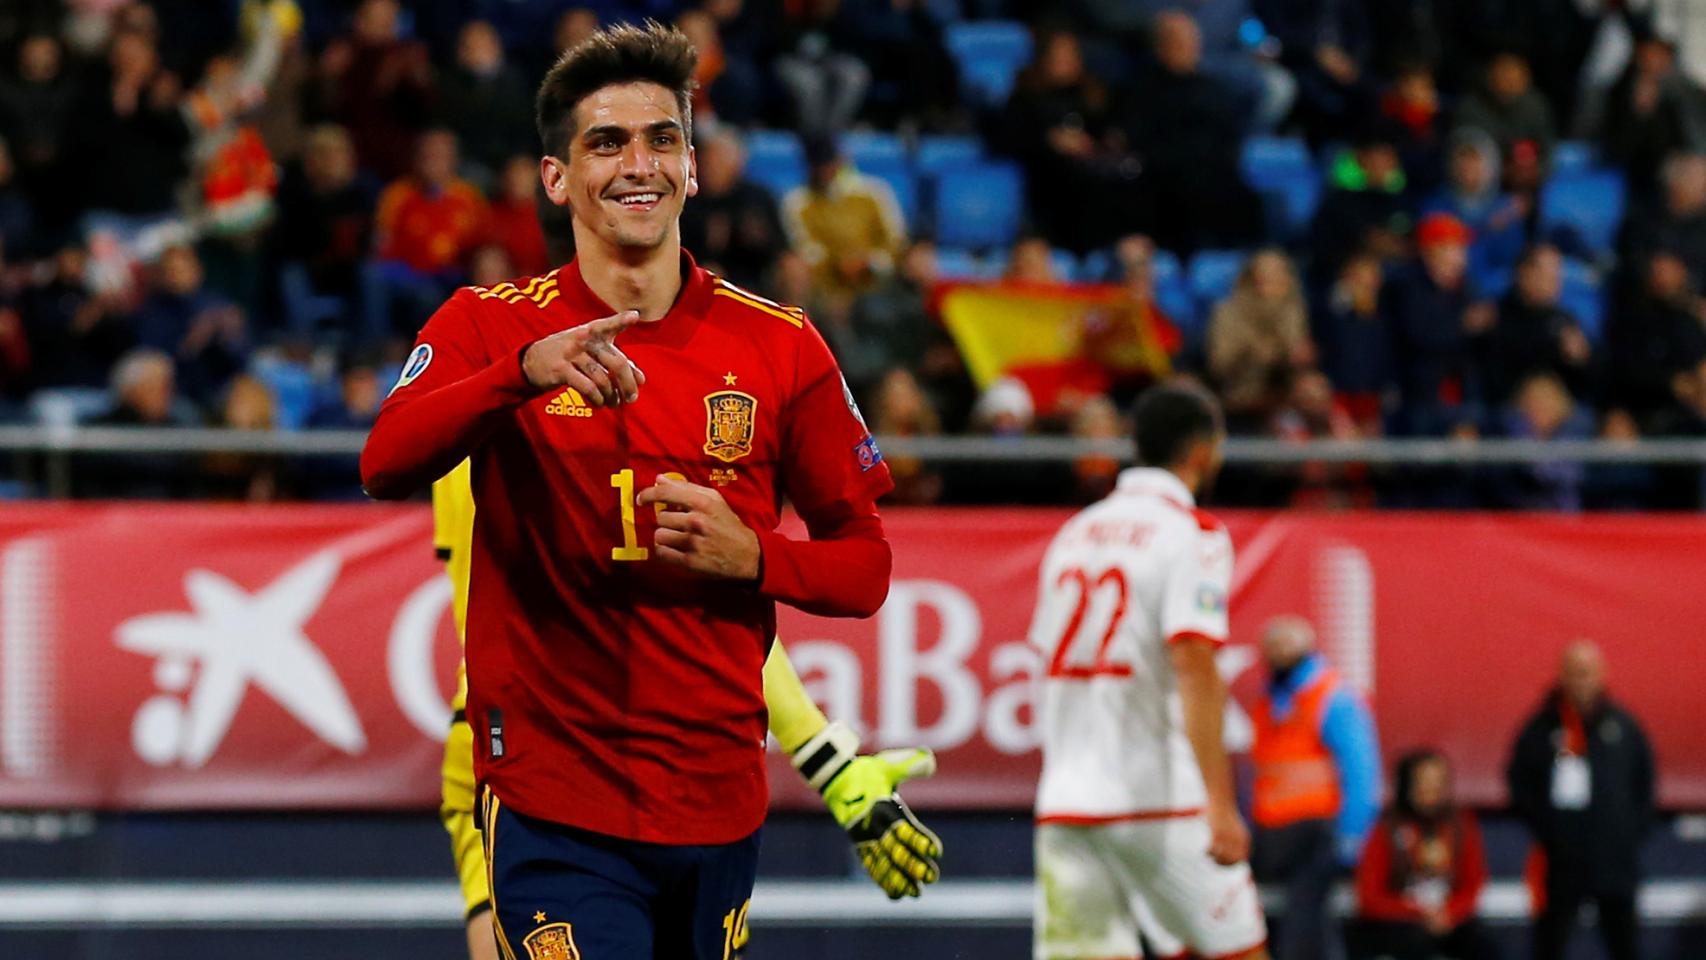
pixel 569 403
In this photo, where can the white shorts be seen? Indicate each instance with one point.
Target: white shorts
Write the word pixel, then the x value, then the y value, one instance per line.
pixel 1099 886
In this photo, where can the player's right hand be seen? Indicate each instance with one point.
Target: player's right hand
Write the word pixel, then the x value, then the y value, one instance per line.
pixel 1228 837
pixel 586 359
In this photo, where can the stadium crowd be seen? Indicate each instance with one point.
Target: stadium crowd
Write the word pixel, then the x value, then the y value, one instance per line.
pixel 1440 218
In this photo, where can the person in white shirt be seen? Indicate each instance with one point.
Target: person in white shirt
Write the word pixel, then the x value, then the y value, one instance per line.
pixel 1137 822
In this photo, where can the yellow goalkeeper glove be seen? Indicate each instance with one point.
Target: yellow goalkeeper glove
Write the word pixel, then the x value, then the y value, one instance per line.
pixel 899 852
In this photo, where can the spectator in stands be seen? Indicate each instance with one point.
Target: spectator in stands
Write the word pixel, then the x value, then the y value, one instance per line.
pixel 1355 344
pixel 203 332
pixel 1188 128
pixel 143 393
pixel 1675 220
pixel 1365 208
pixel 1422 871
pixel 1581 778
pixel 901 408
pixel 1317 786
pixel 1258 338
pixel 131 111
pixel 35 118
pixel 486 101
pixel 1472 195
pixel 1030 261
pixel 1542 409
pixel 1619 486
pixel 826 83
pixel 890 326
pixel 1516 116
pixel 732 226
pixel 1411 109
pixel 913 79
pixel 1433 318
pixel 1660 332
pixel 1094 474
pixel 726 90
pixel 1328 47
pixel 250 477
pixel 513 218
pixel 75 335
pixel 15 376
pixel 379 86
pixel 1059 124
pixel 1312 412
pixel 356 406
pixel 1534 334
pixel 1135 341
pixel 426 226
pixel 1651 112
pixel 17 214
pixel 323 234
pixel 847 225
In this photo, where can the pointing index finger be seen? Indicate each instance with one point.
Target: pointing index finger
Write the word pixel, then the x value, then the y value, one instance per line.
pixel 609 327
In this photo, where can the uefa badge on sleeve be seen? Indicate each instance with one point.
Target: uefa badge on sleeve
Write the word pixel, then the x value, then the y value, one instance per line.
pixel 413 367
pixel 867 453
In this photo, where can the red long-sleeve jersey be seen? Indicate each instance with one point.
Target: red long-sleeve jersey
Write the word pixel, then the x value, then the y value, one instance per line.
pixel 609 691
pixel 1400 861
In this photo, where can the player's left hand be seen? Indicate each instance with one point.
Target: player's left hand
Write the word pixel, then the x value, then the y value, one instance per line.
pixel 900 853
pixel 698 530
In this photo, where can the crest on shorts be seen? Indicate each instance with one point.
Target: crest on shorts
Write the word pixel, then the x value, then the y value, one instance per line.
pixel 553 941
pixel 730 417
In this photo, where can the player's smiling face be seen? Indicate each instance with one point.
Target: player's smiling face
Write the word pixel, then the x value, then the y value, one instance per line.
pixel 630 167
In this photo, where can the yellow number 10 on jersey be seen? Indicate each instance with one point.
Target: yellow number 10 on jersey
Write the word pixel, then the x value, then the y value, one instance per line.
pixel 630 550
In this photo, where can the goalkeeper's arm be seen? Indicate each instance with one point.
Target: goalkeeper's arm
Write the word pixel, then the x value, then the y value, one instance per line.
pixel 898 851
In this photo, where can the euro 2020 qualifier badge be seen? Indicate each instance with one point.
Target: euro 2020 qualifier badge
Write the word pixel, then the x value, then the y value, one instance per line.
pixel 730 419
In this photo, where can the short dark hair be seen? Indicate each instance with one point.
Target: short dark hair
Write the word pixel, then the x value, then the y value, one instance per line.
pixel 622 53
pixel 1170 419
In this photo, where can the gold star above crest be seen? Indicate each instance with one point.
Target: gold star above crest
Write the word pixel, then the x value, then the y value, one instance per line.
pixel 729 379
pixel 539 916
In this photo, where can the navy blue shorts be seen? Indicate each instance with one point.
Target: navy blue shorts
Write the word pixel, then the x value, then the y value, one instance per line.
pixel 559 893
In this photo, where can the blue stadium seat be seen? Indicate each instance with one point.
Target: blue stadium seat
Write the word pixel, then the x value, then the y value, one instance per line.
pixel 957 263
pixel 1212 274
pixel 1272 161
pixel 775 160
pixel 68 406
pixel 900 179
pixel 1283 171
pixel 1574 156
pixel 1584 296
pixel 869 149
pixel 989 54
pixel 939 153
pixel 1097 266
pixel 1172 292
pixel 1588 205
pixel 1065 265
pixel 979 205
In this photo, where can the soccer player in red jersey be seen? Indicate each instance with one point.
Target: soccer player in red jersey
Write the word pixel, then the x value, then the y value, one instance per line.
pixel 625 559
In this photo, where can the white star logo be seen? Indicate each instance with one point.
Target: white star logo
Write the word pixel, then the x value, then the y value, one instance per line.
pixel 236 638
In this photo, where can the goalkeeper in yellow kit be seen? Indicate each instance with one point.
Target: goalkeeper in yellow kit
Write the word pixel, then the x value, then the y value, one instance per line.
pixel 899 852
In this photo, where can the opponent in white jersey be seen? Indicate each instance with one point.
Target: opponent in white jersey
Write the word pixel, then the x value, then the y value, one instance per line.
pixel 1136 806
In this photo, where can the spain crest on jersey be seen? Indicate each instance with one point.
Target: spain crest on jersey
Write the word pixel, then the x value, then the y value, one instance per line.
pixel 553 941
pixel 730 418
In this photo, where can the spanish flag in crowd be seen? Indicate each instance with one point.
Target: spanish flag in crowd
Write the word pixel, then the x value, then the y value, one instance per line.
pixel 1059 339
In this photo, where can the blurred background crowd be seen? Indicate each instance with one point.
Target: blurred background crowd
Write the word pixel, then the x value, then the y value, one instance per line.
pixel 1427 218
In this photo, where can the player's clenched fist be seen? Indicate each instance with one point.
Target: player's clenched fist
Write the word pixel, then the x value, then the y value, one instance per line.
pixel 698 530
pixel 1229 838
pixel 585 358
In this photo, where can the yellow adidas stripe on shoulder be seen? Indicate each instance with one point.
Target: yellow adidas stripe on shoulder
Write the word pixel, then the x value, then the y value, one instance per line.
pixel 539 291
pixel 793 315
